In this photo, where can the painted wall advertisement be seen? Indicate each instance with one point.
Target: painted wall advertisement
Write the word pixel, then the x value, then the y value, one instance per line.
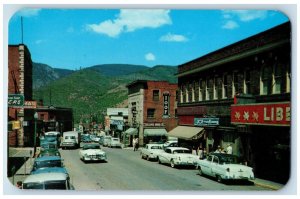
pixel 262 114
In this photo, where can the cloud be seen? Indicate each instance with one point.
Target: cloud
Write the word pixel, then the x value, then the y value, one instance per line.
pixel 230 25
pixel 130 20
pixel 245 15
pixel 39 41
pixel 173 38
pixel 150 57
pixel 28 12
pixel 232 17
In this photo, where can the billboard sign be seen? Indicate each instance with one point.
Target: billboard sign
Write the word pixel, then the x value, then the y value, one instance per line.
pixel 15 100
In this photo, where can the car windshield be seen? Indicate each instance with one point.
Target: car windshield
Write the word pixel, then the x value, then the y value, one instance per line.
pixel 181 151
pixel 85 147
pixel 156 147
pixel 48 163
pixel 229 160
pixel 58 184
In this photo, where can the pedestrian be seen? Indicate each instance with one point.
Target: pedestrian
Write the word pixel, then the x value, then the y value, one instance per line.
pixel 136 144
pixel 218 150
pixel 133 143
pixel 229 149
pixel 19 184
pixel 200 153
pixel 204 153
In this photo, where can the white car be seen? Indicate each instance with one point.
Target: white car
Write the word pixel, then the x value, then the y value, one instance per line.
pixel 52 180
pixel 92 152
pixel 151 151
pixel 114 142
pixel 177 156
pixel 224 167
pixel 170 143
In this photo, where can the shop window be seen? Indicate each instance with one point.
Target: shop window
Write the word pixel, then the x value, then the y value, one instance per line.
pixel 150 113
pixel 155 95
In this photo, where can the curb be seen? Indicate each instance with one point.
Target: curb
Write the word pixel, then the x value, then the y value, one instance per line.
pixel 273 187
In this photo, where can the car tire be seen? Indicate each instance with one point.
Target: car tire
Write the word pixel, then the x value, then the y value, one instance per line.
pixel 200 171
pixel 172 164
pixel 219 179
pixel 147 158
pixel 159 162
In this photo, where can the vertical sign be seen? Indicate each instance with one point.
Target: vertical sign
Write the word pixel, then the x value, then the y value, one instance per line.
pixel 166 105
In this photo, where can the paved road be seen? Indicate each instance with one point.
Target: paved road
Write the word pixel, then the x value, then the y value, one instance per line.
pixel 125 170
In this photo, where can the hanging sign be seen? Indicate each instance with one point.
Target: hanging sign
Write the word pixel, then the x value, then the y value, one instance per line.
pixel 166 105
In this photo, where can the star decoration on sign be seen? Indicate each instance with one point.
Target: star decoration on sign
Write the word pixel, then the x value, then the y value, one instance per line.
pixel 246 115
pixel 255 116
pixel 237 115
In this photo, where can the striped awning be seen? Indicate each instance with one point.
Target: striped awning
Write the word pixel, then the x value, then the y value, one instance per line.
pixel 155 132
pixel 187 132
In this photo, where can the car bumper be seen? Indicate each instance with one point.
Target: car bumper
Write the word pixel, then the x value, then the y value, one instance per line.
pixel 68 144
pixel 95 158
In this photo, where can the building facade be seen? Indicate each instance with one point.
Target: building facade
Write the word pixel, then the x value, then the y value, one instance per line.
pixel 152 109
pixel 240 95
pixel 19 85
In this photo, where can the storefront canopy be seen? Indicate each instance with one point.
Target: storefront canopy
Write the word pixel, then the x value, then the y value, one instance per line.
pixel 155 132
pixel 131 131
pixel 187 132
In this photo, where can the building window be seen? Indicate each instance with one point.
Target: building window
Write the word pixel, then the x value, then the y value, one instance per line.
pixel 155 95
pixel 202 90
pixel 225 86
pixel 195 91
pixel 210 89
pixel 266 80
pixel 176 113
pixel 247 82
pixel 278 79
pixel 218 88
pixel 177 95
pixel 190 92
pixel 150 112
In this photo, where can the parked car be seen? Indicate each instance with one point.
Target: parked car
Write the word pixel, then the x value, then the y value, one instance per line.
pixel 49 152
pixel 224 167
pixel 55 135
pixel 92 152
pixel 50 170
pixel 47 161
pixel 170 143
pixel 177 156
pixel 101 140
pixel 106 139
pixel 151 151
pixel 114 142
pixel 54 180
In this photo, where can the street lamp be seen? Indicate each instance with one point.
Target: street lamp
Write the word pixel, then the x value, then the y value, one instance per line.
pixel 34 138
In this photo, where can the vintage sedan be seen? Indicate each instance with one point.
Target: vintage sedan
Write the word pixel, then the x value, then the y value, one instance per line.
pixel 46 162
pixel 114 142
pixel 49 152
pixel 151 151
pixel 224 167
pixel 92 152
pixel 177 156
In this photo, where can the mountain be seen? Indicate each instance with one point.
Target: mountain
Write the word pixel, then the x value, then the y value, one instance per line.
pixel 44 74
pixel 92 90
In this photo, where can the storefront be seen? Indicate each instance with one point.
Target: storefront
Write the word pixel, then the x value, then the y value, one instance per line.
pixel 266 137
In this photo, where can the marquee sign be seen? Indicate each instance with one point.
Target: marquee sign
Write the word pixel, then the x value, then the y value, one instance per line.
pixel 262 114
pixel 166 105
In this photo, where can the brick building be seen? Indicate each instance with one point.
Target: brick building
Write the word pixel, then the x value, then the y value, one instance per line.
pixel 152 109
pixel 19 82
pixel 240 95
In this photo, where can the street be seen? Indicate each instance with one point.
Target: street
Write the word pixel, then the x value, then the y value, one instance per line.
pixel 125 170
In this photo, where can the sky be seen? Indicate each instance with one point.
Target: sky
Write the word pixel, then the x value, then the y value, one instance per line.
pixel 80 38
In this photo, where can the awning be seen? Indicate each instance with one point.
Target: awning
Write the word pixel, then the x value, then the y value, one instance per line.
pixel 131 131
pixel 187 132
pixel 155 132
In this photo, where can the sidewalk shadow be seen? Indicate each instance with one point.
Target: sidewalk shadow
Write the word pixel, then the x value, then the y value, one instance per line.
pixel 16 163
